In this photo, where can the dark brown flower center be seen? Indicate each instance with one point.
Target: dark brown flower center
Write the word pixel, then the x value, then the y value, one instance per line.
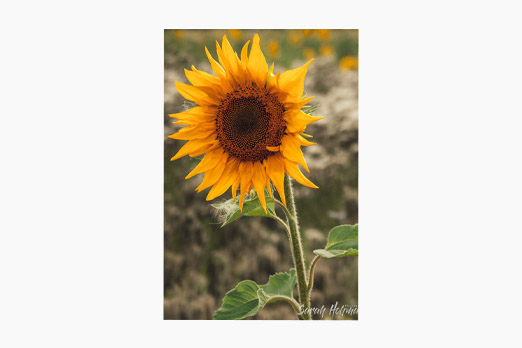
pixel 249 119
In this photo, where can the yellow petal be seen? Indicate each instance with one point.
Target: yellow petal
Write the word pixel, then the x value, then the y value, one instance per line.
pixel 196 135
pixel 259 181
pixel 197 77
pixel 201 151
pixel 195 94
pixel 195 132
pixel 245 172
pixel 273 84
pixel 293 170
pixel 291 102
pixel 244 51
pixel 196 114
pixel 195 123
pixel 227 178
pixel 257 65
pixel 267 184
pixel 232 61
pixel 270 74
pixel 203 79
pixel 292 81
pixel 198 122
pixel 193 148
pixel 275 169
pixel 235 186
pixel 211 176
pixel 298 120
pixel 221 59
pixel 218 69
pixel 273 148
pixel 217 83
pixel 216 94
pixel 291 149
pixel 211 159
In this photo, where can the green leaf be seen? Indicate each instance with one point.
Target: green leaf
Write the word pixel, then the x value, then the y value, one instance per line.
pixel 251 207
pixel 247 298
pixel 240 302
pixel 311 109
pixel 281 284
pixel 342 241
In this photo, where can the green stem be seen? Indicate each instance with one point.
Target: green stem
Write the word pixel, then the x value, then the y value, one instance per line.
pixel 278 219
pixel 291 301
pixel 297 250
pixel 311 274
pixel 282 206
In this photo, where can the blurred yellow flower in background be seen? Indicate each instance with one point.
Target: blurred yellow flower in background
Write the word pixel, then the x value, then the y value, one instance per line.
pixel 324 34
pixel 273 49
pixel 307 32
pixel 235 33
pixel 348 63
pixel 178 33
pixel 326 50
pixel 308 53
pixel 294 38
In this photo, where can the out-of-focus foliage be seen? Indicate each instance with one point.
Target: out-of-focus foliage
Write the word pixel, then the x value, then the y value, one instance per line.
pixel 204 261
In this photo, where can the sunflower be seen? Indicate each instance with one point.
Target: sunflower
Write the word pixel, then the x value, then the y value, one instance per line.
pixel 248 123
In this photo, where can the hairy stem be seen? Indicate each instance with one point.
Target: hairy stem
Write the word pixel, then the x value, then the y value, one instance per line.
pixel 291 301
pixel 282 206
pixel 297 250
pixel 278 219
pixel 311 274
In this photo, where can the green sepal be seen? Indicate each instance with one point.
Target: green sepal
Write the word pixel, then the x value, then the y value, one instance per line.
pixel 310 110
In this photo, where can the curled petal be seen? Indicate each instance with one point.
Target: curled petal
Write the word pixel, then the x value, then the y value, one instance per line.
pixel 298 120
pixel 291 149
pixel 292 81
pixel 293 170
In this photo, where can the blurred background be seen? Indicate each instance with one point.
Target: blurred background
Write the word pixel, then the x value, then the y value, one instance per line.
pixel 203 261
